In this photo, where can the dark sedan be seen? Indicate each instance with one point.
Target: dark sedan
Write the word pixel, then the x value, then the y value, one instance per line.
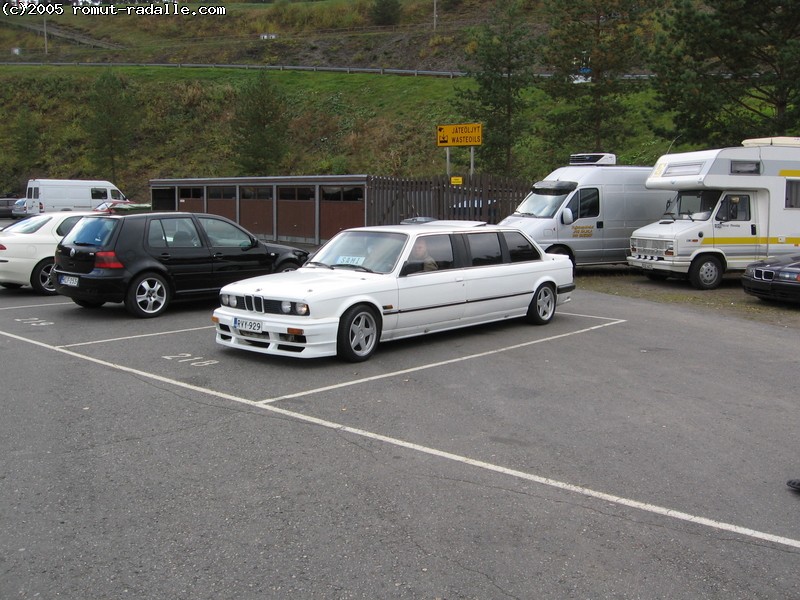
pixel 775 278
pixel 6 206
pixel 148 260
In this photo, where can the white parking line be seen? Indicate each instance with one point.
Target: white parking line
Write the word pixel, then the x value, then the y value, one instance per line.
pixel 441 363
pixel 133 337
pixel 35 305
pixel 568 487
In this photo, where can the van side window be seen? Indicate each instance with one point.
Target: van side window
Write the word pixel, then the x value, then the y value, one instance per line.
pixel 519 248
pixel 99 194
pixel 484 249
pixel 585 203
pixel 734 207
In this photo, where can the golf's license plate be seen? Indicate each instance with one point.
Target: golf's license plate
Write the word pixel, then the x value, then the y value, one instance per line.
pixel 247 325
pixel 68 280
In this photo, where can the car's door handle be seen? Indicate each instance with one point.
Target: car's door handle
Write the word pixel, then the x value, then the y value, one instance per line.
pixel 217 255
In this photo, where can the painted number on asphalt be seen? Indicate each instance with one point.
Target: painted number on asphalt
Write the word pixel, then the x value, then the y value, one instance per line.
pixel 34 321
pixel 195 361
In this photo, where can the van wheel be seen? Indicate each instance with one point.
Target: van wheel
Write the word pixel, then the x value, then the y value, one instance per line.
pixel 40 278
pixel 543 305
pixel 359 332
pixel 705 273
pixel 148 296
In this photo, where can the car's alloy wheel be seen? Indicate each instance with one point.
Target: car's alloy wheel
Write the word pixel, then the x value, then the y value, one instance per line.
pixel 148 296
pixel 359 332
pixel 40 278
pixel 543 305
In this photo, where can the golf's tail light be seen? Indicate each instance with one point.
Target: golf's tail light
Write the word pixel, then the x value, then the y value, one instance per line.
pixel 107 260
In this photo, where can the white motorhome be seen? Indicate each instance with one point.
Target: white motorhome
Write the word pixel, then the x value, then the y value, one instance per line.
pixel 733 206
pixel 589 209
pixel 50 195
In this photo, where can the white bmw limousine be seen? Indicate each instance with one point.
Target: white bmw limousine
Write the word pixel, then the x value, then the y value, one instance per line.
pixel 373 284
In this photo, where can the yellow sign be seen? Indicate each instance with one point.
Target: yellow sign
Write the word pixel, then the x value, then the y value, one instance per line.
pixel 455 180
pixel 466 134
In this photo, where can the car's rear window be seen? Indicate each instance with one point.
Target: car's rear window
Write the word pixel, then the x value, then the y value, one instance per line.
pixel 29 225
pixel 91 231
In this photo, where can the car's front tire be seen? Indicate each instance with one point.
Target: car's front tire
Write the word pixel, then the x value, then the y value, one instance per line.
pixel 40 278
pixel 359 332
pixel 543 305
pixel 148 296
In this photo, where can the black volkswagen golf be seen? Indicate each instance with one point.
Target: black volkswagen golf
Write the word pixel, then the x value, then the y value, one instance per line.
pixel 148 260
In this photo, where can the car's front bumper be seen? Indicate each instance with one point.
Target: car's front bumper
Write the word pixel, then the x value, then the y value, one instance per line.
pixel 317 337
pixel 772 290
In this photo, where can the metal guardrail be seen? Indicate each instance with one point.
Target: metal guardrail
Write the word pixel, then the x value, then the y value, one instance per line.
pixel 373 70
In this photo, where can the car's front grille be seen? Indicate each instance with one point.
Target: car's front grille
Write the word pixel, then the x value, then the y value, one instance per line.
pixel 763 274
pixel 262 305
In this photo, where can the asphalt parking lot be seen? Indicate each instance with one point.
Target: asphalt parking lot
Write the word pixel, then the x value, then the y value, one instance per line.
pixel 627 450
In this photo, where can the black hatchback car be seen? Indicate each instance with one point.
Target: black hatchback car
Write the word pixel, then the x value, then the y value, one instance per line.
pixel 775 278
pixel 148 260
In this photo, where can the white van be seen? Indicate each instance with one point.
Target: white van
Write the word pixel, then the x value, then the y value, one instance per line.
pixel 50 195
pixel 589 209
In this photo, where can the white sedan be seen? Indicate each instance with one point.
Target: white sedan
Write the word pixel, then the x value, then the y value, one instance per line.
pixel 373 284
pixel 27 249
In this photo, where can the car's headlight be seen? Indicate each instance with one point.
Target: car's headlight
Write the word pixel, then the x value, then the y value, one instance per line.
pixel 749 270
pixel 229 300
pixel 294 308
pixel 789 275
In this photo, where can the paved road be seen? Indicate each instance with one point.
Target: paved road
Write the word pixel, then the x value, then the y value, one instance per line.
pixel 626 450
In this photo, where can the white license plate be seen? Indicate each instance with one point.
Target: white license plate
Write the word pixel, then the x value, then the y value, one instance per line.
pixel 647 267
pixel 247 325
pixel 68 280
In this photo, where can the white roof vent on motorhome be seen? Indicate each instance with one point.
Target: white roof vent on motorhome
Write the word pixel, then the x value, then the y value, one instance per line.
pixel 793 142
pixel 593 158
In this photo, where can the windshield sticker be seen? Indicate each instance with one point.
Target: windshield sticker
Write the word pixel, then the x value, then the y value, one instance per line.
pixel 350 260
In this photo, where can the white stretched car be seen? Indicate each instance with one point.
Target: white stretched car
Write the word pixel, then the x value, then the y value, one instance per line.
pixel 27 249
pixel 374 284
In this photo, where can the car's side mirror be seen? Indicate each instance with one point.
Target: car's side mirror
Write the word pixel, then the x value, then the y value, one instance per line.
pixel 566 216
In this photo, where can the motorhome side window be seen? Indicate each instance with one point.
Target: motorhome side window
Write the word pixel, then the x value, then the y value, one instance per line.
pixel 99 194
pixel 793 193
pixel 585 203
pixel 734 207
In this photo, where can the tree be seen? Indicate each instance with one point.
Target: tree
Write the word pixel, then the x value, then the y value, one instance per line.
pixel 259 126
pixel 112 122
pixel 504 57
pixel 589 48
pixel 730 69
pixel 386 12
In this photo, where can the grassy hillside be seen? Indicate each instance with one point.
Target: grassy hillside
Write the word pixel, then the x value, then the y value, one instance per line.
pixel 339 122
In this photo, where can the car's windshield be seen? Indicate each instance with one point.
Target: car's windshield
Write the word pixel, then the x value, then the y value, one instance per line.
pixel 29 225
pixel 695 205
pixel 543 201
pixel 91 231
pixel 376 251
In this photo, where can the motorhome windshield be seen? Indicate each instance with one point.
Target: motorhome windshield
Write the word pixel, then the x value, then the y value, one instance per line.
pixel 545 198
pixel 694 205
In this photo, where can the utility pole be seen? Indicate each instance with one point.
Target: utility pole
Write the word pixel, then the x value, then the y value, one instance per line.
pixel 434 16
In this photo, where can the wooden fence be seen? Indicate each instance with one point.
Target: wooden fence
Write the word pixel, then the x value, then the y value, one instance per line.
pixel 481 197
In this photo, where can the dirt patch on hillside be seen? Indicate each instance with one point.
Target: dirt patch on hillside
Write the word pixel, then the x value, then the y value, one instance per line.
pixel 728 298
